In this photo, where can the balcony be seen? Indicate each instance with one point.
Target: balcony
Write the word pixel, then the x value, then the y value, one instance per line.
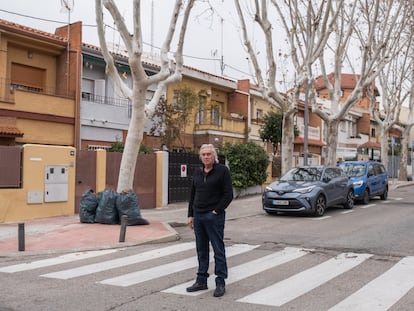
pixel 8 90
pixel 45 101
pixel 313 132
pixel 104 100
pixel 227 124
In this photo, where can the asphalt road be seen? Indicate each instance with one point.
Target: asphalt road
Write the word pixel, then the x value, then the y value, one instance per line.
pixel 346 260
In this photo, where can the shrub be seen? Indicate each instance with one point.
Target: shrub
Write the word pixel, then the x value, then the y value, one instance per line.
pixel 247 162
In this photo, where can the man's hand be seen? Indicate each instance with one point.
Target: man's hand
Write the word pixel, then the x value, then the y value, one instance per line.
pixel 190 222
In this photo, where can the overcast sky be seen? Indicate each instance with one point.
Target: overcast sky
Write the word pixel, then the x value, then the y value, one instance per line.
pixel 206 41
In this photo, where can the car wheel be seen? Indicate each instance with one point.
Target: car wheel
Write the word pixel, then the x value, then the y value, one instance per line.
pixel 365 197
pixel 350 198
pixel 384 195
pixel 320 205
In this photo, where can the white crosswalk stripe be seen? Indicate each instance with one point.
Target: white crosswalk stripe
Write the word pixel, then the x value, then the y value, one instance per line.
pixel 297 285
pixel 367 206
pixel 121 262
pixel 380 294
pixel 246 270
pixel 55 261
pixel 163 270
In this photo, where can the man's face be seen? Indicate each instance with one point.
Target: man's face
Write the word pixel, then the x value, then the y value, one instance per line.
pixel 207 156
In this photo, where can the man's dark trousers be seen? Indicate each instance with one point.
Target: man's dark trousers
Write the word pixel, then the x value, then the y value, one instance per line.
pixel 210 227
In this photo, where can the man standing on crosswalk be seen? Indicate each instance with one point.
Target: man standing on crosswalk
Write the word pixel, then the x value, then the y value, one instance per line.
pixel 211 194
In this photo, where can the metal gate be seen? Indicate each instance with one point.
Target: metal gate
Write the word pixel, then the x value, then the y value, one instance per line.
pixel 181 168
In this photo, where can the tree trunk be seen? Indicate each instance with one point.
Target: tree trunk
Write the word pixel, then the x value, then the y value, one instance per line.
pixel 384 132
pixel 287 142
pixel 132 143
pixel 332 142
pixel 402 174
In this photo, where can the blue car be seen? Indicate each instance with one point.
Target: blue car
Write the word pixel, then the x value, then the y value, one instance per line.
pixel 369 178
pixel 309 190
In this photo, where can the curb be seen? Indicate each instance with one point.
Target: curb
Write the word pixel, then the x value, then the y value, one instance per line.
pixel 408 184
pixel 171 236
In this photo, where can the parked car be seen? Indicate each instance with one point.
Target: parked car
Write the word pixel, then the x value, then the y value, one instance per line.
pixel 369 178
pixel 309 189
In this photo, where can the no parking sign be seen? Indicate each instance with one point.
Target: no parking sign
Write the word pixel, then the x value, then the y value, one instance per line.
pixel 183 170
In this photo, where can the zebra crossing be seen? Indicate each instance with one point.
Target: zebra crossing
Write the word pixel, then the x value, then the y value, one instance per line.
pixel 380 293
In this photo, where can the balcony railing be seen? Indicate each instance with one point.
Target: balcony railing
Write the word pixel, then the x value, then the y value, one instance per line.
pixel 105 100
pixel 313 132
pixel 7 89
pixel 226 124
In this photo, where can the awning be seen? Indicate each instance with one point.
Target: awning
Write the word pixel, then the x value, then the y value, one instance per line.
pixel 370 145
pixel 311 142
pixel 10 131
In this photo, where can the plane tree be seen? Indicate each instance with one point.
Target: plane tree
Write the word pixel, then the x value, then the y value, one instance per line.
pixel 398 81
pixel 395 82
pixel 170 71
pixel 364 41
pixel 324 39
pixel 307 26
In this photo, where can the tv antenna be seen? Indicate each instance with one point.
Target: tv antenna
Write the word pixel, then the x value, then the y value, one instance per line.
pixel 67 7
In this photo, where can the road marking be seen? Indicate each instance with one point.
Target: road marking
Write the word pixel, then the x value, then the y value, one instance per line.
pixel 320 218
pixel 245 270
pixel 368 206
pixel 384 291
pixel 398 199
pixel 55 261
pixel 163 270
pixel 284 291
pixel 120 262
pixel 347 212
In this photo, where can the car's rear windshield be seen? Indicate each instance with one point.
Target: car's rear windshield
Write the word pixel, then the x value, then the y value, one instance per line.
pixel 303 174
pixel 354 169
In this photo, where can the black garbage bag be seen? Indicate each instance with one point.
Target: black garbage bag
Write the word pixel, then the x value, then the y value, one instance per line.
pixel 106 213
pixel 127 204
pixel 87 206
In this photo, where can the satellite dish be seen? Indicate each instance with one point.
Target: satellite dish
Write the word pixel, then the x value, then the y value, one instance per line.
pixel 66 6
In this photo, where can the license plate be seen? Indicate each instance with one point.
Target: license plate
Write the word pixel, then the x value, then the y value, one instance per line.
pixel 280 202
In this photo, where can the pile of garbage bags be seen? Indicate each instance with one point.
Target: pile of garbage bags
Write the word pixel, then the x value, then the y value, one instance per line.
pixel 107 207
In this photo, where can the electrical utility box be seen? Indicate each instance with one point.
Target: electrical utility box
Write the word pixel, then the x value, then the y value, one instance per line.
pixel 56 183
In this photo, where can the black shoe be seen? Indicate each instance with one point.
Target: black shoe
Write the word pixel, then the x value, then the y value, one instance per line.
pixel 220 290
pixel 196 287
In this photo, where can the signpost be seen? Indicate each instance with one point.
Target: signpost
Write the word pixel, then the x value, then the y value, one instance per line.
pixel 392 156
pixel 412 158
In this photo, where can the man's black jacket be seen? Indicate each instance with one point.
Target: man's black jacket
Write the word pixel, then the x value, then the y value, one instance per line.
pixel 211 191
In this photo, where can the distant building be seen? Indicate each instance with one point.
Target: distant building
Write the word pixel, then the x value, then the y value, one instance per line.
pixel 38 85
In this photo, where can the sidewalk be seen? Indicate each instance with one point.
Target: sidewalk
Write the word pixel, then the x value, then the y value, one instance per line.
pixel 67 233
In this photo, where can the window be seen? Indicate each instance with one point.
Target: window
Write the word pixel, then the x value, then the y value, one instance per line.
pixel 259 115
pixel 201 107
pixel 354 129
pixel 27 78
pixel 379 169
pixel 88 86
pixel 177 104
pixel 371 170
pixel 332 173
pixel 216 114
pixel 98 147
pixel 372 132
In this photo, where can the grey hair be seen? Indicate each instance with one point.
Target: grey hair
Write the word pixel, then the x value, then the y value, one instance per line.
pixel 213 150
